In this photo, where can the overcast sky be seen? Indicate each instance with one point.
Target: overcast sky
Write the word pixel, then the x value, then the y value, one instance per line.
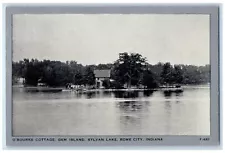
pixel 94 38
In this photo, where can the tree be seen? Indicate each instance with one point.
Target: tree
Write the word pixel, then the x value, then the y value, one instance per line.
pixel 78 78
pixel 177 74
pixel 149 79
pixel 32 72
pixel 56 74
pixel 89 76
pixel 106 83
pixel 104 66
pixel 167 74
pixel 128 68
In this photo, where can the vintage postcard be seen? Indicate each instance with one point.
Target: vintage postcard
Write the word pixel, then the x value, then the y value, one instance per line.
pixel 113 75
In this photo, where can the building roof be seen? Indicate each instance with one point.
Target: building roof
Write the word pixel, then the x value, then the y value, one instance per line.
pixel 102 73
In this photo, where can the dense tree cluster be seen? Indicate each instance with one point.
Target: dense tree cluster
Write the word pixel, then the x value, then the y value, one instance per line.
pixel 53 73
pixel 130 70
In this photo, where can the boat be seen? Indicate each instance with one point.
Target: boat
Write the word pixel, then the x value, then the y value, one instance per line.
pixel 168 89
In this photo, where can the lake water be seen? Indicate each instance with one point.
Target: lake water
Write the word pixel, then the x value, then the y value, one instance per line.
pixel 112 113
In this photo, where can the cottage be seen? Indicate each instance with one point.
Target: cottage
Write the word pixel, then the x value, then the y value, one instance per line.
pixel 100 76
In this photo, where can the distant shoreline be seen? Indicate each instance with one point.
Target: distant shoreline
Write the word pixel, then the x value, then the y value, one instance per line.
pixel 61 89
pixel 22 86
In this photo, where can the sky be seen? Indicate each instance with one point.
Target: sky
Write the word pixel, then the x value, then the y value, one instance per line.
pixel 99 38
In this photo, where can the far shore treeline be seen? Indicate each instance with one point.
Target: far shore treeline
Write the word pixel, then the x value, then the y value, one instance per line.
pixel 131 69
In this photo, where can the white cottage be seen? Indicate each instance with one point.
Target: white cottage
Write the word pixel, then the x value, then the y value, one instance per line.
pixel 101 75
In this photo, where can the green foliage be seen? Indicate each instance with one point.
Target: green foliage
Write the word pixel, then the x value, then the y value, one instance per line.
pixel 177 74
pixel 167 74
pixel 32 72
pixel 89 77
pixel 52 73
pixel 130 69
pixel 104 66
pixel 149 79
pixel 106 84
pixel 56 74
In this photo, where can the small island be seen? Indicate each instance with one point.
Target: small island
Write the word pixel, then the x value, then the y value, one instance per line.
pixel 130 72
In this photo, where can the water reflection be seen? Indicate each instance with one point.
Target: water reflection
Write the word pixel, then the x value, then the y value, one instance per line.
pixel 179 94
pixel 91 95
pixel 167 94
pixel 107 93
pixel 112 113
pixel 130 105
pixel 118 94
pixel 78 95
pixel 126 94
pixel 130 116
pixel 168 111
pixel 148 93
pixel 168 106
pixel 129 122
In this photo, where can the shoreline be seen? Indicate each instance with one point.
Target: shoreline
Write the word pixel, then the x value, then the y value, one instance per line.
pixel 63 89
